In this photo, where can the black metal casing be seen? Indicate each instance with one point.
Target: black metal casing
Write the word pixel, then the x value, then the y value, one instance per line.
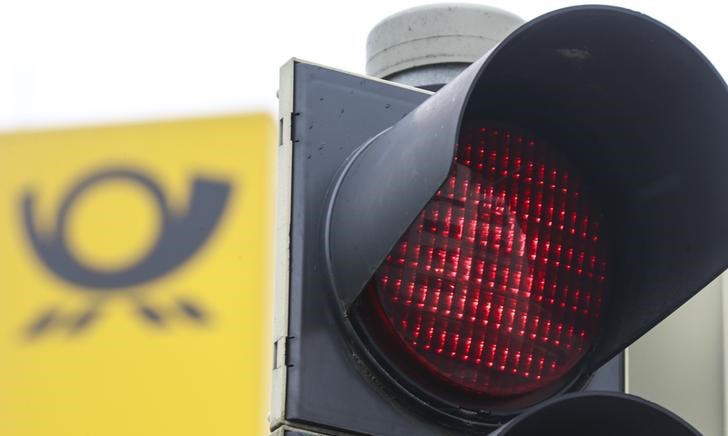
pixel 636 107
pixel 334 113
pixel 597 414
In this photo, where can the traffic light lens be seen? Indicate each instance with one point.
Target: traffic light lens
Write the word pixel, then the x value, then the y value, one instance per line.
pixel 497 286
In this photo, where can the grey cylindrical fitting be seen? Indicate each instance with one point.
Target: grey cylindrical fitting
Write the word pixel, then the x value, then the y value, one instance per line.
pixel 445 37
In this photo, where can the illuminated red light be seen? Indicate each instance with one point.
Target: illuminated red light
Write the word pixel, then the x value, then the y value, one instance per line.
pixel 497 286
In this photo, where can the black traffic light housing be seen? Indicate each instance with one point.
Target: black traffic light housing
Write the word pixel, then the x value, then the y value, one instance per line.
pixel 625 99
pixel 596 414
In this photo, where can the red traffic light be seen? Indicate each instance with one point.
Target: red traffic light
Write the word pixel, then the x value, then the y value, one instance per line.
pixel 497 287
pixel 463 258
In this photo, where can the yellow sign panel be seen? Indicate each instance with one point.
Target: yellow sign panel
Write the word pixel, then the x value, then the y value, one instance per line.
pixel 134 279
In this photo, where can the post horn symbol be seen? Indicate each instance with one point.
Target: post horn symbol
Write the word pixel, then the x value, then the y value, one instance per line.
pixel 181 236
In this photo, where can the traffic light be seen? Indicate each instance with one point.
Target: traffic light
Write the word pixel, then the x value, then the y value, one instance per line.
pixel 465 261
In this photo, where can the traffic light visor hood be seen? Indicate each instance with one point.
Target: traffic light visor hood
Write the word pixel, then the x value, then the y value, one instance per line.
pixel 560 197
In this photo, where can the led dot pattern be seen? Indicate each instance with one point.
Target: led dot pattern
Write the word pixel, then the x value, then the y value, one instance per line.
pixel 497 286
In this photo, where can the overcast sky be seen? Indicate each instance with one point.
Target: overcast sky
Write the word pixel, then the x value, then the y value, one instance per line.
pixel 76 62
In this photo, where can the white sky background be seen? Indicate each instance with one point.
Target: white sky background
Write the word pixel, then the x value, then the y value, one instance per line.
pixel 76 62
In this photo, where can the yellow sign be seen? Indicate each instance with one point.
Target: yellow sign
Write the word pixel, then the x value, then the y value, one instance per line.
pixel 135 279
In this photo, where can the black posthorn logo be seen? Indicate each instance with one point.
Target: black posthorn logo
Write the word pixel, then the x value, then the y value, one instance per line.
pixel 180 237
